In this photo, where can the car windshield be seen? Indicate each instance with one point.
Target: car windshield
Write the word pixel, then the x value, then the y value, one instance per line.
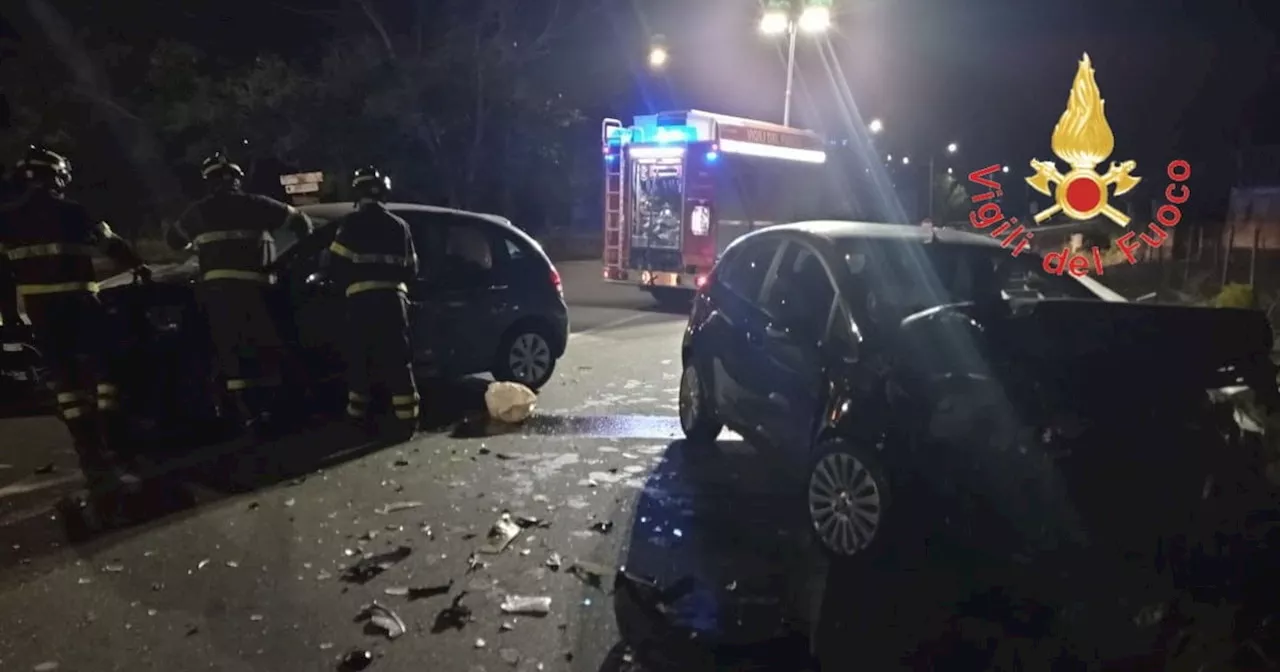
pixel 910 276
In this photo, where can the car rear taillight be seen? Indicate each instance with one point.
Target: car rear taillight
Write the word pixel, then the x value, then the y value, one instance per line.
pixel 555 280
pixel 700 281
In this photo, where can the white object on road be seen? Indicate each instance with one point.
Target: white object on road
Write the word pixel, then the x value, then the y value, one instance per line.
pixel 511 403
pixel 529 606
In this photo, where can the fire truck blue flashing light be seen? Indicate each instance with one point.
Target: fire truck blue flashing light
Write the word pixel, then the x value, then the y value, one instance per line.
pixel 712 156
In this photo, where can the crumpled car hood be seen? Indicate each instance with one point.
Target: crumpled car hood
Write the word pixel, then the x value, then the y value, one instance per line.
pixel 1129 338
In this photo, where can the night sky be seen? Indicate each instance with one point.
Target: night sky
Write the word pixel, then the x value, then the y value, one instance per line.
pixel 1194 79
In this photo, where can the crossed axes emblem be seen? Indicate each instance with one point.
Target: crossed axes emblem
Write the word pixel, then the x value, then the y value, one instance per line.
pixel 1047 174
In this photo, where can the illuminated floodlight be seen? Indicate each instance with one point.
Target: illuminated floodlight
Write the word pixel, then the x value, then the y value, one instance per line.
pixel 815 19
pixel 1005 169
pixel 875 126
pixel 906 160
pixel 658 57
pixel 667 152
pixel 773 151
pixel 774 22
pixel 953 148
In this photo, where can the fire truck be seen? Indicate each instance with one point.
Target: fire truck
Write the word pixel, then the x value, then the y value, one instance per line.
pixel 680 186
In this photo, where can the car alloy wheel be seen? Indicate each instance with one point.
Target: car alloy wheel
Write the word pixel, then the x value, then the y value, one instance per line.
pixel 690 398
pixel 845 503
pixel 697 417
pixel 529 358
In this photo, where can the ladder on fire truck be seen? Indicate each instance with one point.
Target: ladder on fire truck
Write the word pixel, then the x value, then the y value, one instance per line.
pixel 613 220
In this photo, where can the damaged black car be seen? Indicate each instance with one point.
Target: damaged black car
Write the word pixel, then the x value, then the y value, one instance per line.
pixel 943 398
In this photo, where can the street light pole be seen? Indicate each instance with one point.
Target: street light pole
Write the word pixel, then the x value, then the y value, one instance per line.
pixel 792 29
pixel 931 187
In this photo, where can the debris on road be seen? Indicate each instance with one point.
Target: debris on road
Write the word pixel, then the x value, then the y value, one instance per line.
pixel 474 563
pixel 47 666
pixel 503 532
pixel 554 562
pixel 507 626
pixel 385 619
pixel 529 606
pixel 113 568
pixel 364 570
pixel 290 502
pixel 202 563
pixel 356 659
pixel 603 527
pixel 453 617
pixel 480 643
pixel 419 593
pixel 47 469
pixel 589 573
pixel 398 506
pixel 525 521
pixel 508 402
pixel 256 617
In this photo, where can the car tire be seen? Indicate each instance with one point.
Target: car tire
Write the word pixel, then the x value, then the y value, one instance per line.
pixel 697 414
pixel 525 356
pixel 847 497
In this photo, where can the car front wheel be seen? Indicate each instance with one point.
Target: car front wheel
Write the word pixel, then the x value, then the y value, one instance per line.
pixel 525 357
pixel 847 496
pixel 697 415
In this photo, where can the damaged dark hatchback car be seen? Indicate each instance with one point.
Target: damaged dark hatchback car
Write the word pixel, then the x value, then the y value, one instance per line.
pixel 935 390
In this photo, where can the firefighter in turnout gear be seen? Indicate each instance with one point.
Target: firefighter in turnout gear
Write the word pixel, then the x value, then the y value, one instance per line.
pixel 373 261
pixel 232 233
pixel 48 242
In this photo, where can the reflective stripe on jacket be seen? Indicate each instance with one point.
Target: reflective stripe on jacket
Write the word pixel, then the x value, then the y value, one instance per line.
pixel 372 250
pixel 48 243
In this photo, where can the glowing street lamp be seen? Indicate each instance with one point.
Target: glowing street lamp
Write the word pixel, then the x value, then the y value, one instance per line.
pixel 906 160
pixel 779 17
pixel 815 19
pixel 876 126
pixel 774 22
pixel 953 148
pixel 658 55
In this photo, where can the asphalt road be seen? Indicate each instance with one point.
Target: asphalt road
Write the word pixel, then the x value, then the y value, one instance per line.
pixel 249 574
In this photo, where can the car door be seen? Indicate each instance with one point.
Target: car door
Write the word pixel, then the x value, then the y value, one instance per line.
pixel 317 306
pixel 797 299
pixel 461 300
pixel 735 384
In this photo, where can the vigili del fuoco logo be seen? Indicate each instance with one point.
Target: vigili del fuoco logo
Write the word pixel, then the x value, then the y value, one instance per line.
pixel 1083 139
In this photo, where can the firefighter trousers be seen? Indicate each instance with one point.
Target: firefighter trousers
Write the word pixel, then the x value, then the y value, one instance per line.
pixel 246 342
pixel 72 332
pixel 380 357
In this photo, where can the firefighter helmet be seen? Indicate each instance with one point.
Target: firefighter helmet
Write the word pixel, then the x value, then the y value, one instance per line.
pixel 369 183
pixel 43 165
pixel 218 169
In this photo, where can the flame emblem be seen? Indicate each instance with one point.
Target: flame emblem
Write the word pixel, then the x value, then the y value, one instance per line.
pixel 1083 139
